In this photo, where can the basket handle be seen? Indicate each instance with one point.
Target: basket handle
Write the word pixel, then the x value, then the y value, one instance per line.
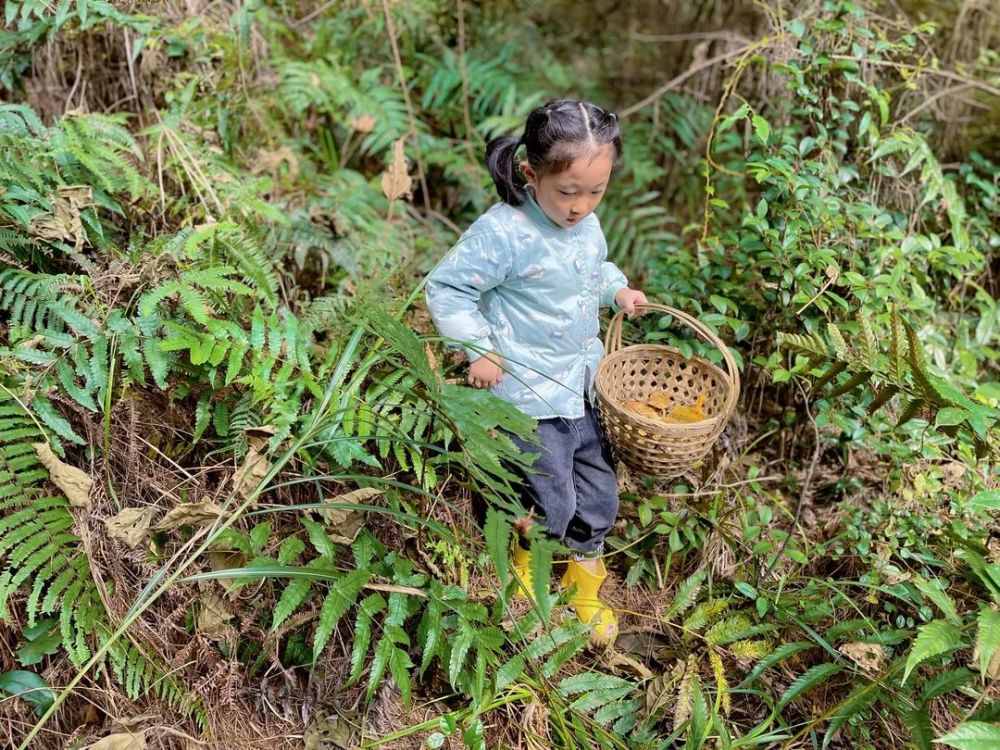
pixel 613 342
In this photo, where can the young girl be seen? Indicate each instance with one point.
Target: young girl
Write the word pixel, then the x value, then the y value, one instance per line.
pixel 521 292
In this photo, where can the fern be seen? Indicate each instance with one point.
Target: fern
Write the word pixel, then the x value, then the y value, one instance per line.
pixel 36 540
pixel 902 369
pixel 807 681
pixel 933 638
pixel 137 672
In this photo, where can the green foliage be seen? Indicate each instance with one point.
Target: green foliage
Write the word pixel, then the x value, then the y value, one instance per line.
pixel 257 284
pixel 44 557
pixel 900 369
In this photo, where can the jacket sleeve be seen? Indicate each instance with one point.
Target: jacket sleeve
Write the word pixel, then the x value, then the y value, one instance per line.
pixel 612 279
pixel 477 263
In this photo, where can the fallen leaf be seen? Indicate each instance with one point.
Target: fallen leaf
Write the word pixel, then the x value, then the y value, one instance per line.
pixel 270 161
pixel 189 514
pixel 364 124
pixel 395 181
pixel 326 733
pixel 120 741
pixel 220 559
pixel 65 223
pixel 345 523
pixel 254 467
pixel 130 525
pixel 431 359
pixel 213 616
pixel 74 483
pixel 868 656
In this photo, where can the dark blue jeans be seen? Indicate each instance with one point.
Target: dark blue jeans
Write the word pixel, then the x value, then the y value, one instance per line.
pixel 576 491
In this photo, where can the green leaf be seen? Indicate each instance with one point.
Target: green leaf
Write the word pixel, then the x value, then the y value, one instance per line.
pixel 540 563
pixel 369 606
pixel 686 594
pixel 859 699
pixel 67 378
pixel 294 594
pixel 50 417
pixel 42 640
pixel 343 594
pixel 933 590
pixel 30 687
pixel 810 679
pixel 950 416
pixel 761 128
pixel 973 735
pixel 399 668
pixel 933 638
pixel 497 532
pixel 460 648
pixel 986 499
pixel 383 650
pixel 987 637
pixel 202 415
pixel 508 672
pixel 919 723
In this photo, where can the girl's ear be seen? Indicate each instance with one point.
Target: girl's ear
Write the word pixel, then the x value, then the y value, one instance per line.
pixel 529 174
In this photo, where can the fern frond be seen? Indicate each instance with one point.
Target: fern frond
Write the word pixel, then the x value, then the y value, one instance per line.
pixel 807 681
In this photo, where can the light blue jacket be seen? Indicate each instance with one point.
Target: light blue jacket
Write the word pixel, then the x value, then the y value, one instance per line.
pixel 518 284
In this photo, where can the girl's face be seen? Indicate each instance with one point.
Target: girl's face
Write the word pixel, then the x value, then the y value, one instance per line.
pixel 570 196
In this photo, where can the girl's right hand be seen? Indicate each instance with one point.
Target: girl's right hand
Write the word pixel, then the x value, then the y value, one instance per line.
pixel 485 371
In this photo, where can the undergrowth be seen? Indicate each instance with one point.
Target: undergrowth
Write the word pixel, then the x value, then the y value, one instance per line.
pixel 232 448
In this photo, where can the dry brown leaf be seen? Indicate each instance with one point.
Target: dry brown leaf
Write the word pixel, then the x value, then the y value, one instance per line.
pixel 326 733
pixel 431 359
pixel 189 514
pixel 65 223
pixel 33 342
pixel 254 467
pixel 270 161
pixel 213 615
pixel 221 559
pixel 868 656
pixel 74 483
pixel 363 124
pixel 130 525
pixel 120 741
pixel 395 181
pixel 344 523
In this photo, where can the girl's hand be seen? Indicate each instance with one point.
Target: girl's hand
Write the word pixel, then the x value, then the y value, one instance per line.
pixel 627 299
pixel 485 371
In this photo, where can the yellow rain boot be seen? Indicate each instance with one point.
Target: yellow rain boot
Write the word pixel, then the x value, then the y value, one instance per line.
pixel 521 568
pixel 589 608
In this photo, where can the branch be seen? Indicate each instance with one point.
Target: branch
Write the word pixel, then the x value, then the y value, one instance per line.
pixel 677 81
pixel 948 74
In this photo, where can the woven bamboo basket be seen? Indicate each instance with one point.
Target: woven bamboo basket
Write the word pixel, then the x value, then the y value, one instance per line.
pixel 633 372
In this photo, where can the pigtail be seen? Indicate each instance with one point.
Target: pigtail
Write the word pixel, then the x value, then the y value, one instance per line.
pixel 500 161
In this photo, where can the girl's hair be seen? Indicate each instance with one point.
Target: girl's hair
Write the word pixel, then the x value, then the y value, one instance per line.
pixel 555 135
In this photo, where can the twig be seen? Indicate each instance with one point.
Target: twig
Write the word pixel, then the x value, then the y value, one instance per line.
pixel 391 29
pixel 467 116
pixel 678 80
pixel 310 16
pixel 931 99
pixel 76 81
pixel 948 74
pixel 727 36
